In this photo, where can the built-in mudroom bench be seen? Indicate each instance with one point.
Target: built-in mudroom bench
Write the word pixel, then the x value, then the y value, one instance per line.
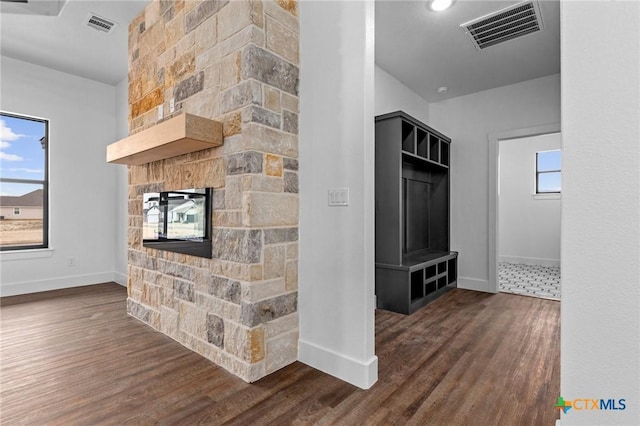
pixel 413 262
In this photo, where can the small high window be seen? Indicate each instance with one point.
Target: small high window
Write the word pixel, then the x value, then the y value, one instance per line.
pixel 24 183
pixel 548 172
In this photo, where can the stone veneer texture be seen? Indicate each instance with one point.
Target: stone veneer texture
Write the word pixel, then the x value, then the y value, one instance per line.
pixel 235 62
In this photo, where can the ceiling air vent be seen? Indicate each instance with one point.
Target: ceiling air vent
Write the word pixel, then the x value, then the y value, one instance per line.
pixel 101 24
pixel 504 25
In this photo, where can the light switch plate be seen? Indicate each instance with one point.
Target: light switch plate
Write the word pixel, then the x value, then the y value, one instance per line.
pixel 172 105
pixel 160 112
pixel 339 196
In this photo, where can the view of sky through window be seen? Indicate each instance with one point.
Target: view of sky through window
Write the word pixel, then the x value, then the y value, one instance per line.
pixel 548 174
pixel 21 154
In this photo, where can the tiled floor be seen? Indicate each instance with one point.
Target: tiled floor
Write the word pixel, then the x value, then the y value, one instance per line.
pixel 530 280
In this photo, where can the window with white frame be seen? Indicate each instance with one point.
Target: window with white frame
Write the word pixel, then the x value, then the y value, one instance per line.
pixel 24 184
pixel 548 172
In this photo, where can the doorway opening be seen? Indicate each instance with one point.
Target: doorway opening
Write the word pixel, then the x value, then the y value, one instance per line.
pixel 524 211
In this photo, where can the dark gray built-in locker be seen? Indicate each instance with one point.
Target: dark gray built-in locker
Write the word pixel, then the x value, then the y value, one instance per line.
pixel 413 263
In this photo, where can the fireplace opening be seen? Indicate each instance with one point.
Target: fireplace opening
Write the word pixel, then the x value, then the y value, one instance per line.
pixel 178 221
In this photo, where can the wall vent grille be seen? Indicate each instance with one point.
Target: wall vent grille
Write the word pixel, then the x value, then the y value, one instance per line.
pixel 101 24
pixel 504 25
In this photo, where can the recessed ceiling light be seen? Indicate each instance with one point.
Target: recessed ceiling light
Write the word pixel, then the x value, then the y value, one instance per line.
pixel 443 89
pixel 440 5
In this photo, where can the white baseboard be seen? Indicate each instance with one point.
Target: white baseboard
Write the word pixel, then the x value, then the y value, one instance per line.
pixel 55 283
pixel 530 261
pixel 358 373
pixel 474 284
pixel 120 278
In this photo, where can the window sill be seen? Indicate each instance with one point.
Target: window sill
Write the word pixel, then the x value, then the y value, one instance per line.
pixel 554 196
pixel 26 254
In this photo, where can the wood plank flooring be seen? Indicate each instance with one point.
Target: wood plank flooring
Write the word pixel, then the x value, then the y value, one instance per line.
pixel 74 357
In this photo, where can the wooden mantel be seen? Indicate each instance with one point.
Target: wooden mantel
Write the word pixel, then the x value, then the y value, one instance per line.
pixel 182 134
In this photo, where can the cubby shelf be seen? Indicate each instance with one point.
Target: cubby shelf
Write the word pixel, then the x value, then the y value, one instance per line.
pixel 413 263
pixel 404 289
pixel 420 158
pixel 423 143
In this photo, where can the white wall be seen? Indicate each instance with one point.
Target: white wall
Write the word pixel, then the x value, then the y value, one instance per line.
pixel 529 228
pixel 336 266
pixel 468 120
pixel 121 185
pixel 391 95
pixel 600 352
pixel 82 185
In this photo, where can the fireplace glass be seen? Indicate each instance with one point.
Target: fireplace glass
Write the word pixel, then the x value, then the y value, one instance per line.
pixel 178 221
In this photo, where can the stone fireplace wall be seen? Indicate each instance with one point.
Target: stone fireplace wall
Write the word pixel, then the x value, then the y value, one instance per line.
pixel 235 62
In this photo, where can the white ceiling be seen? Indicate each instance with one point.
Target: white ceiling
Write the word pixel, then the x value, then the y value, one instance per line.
pixel 422 49
pixel 426 50
pixel 66 43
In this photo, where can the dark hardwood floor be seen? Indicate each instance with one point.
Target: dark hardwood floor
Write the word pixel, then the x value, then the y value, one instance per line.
pixel 74 357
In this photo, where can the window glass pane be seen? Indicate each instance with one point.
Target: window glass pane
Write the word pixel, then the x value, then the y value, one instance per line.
pixel 21 215
pixel 185 216
pixel 549 160
pixel 151 223
pixel 549 182
pixel 21 152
